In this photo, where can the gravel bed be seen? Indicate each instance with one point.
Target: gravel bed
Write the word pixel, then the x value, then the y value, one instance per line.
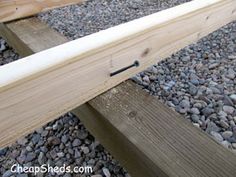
pixel 94 15
pixel 64 141
pixel 7 54
pixel 198 82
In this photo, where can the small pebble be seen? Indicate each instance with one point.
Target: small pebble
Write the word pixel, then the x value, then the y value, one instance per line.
pixel 106 172
pixel 228 109
pixel 227 134
pixel 76 142
pixel 217 136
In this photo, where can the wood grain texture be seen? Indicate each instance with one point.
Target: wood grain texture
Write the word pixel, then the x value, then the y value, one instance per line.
pixel 30 36
pixel 15 9
pixel 152 140
pixel 47 84
pixel 14 41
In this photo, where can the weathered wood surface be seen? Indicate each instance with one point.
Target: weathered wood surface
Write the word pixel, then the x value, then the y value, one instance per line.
pixel 15 9
pixel 152 140
pixel 45 85
pixel 30 36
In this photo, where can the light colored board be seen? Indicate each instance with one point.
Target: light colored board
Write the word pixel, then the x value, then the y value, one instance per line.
pixel 30 36
pixel 24 31
pixel 152 140
pixel 14 41
pixel 50 83
pixel 117 142
pixel 15 9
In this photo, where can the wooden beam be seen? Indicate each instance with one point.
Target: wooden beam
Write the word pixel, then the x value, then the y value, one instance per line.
pixel 50 83
pixel 38 42
pixel 152 140
pixel 30 36
pixel 122 144
pixel 15 9
pixel 14 41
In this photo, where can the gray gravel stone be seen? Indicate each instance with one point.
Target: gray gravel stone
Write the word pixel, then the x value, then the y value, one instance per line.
pixel 211 126
pixel 3 151
pixel 185 104
pixel 2 45
pixel 213 65
pixel 82 135
pixel 226 144
pixel 146 79
pixel 96 176
pixel 230 73
pixel 208 111
pixel 22 141
pixel 67 175
pixel 227 101
pixel 102 14
pixel 77 154
pixel 44 133
pixel 233 98
pixel 8 173
pixel 224 124
pixel 195 111
pixel 53 154
pixel 217 136
pixel 227 134
pixel 60 154
pixel 76 142
pixel 36 138
pixel 228 109
pixel 234 145
pixel 202 74
pixel 234 119
pixel 232 57
pixel 106 172
pixel 222 114
pixel 195 118
pixel 64 139
pixel 193 89
pixel 53 140
pixel 30 156
pixel 85 150
pixel 41 158
pixel 22 175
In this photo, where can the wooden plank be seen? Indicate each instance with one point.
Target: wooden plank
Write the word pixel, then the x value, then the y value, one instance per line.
pixel 116 142
pixel 50 83
pixel 136 161
pixel 24 31
pixel 152 140
pixel 15 9
pixel 30 36
pixel 13 39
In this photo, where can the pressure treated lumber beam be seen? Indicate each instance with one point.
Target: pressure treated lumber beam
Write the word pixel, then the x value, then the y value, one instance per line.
pixel 152 140
pixel 39 88
pixel 34 40
pixel 136 161
pixel 30 36
pixel 15 9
